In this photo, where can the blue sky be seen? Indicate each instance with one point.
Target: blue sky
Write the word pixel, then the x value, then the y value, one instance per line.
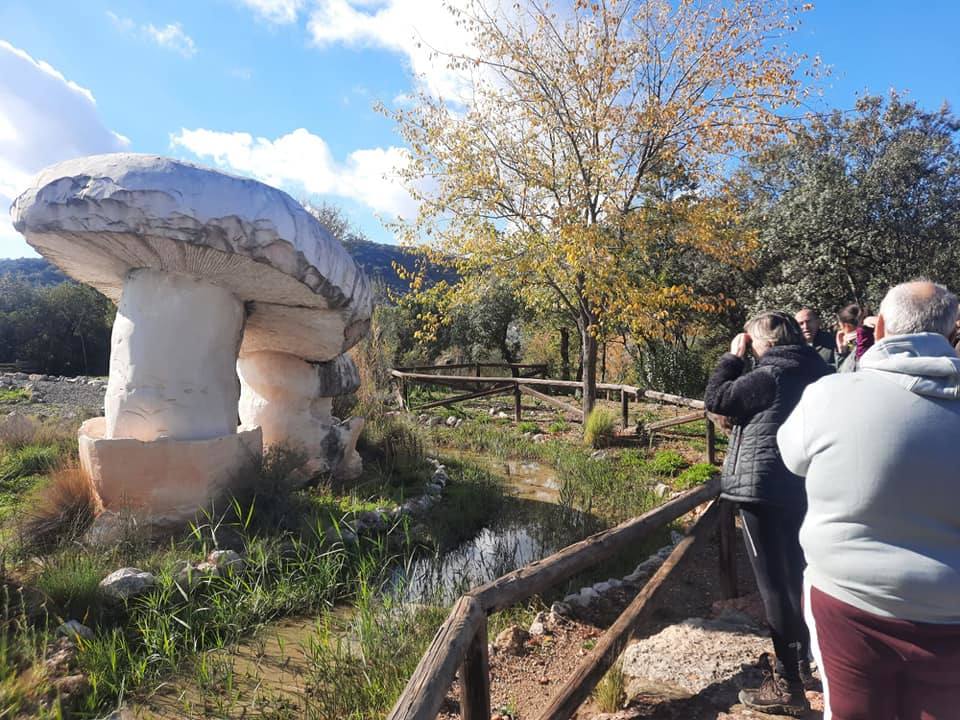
pixel 283 89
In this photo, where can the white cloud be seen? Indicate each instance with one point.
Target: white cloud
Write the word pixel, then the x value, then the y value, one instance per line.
pixel 301 160
pixel 281 12
pixel 44 118
pixel 122 24
pixel 414 28
pixel 170 37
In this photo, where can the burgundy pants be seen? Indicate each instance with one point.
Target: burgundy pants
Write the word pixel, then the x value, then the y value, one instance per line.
pixel 877 668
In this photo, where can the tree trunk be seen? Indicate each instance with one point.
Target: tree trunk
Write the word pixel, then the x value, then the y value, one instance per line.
pixel 603 364
pixel 589 362
pixel 564 353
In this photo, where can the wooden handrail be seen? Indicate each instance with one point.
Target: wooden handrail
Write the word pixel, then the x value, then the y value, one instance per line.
pixel 427 687
pixel 579 686
pixel 534 578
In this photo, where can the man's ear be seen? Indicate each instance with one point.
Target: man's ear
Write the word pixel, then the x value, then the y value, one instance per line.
pixel 881 329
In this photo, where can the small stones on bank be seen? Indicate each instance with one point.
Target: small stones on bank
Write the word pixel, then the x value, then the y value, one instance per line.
pixel 586 596
pixel 127 583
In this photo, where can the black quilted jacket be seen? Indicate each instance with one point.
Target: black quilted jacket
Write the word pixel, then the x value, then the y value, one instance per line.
pixel 758 402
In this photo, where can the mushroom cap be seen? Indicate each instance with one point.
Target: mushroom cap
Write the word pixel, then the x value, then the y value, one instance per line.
pixel 99 217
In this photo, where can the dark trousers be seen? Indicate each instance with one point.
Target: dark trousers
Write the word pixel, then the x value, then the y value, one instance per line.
pixel 878 668
pixel 772 537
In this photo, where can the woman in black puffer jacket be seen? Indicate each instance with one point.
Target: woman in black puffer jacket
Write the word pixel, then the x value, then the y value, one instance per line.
pixel 772 500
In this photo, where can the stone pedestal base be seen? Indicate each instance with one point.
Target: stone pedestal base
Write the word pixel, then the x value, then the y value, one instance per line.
pixel 167 480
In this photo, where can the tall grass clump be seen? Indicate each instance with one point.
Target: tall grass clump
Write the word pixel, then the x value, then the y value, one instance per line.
pixel 599 428
pixel 57 513
pixel 610 692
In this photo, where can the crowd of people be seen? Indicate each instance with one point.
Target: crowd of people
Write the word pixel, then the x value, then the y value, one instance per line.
pixel 842 462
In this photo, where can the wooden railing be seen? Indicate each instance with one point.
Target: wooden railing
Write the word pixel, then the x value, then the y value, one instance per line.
pixel 461 642
pixel 520 385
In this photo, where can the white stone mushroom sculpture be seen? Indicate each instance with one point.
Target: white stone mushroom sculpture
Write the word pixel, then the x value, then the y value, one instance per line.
pixel 195 259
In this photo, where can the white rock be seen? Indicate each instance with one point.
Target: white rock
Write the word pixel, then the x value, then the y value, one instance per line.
pixel 127 583
pixel 225 559
pixel 451 421
pixel 661 490
pixel 601 588
pixel 538 626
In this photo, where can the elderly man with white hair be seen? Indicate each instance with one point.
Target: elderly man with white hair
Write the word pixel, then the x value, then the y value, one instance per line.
pixel 881 536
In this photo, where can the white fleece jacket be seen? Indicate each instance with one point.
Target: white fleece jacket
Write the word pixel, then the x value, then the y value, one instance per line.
pixel 880 450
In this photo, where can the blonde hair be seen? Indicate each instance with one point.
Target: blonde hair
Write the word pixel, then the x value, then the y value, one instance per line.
pixel 774 328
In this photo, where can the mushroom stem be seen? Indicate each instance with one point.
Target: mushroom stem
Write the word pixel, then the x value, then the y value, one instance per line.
pixel 290 399
pixel 173 358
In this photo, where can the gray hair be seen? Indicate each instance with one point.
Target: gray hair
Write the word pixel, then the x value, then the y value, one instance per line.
pixel 919 306
pixel 775 328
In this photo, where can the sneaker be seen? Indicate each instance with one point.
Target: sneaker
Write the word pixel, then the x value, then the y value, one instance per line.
pixel 776 695
pixel 809 680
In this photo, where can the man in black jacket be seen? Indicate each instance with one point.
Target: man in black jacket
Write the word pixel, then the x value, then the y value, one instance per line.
pixel 772 499
pixel 818 339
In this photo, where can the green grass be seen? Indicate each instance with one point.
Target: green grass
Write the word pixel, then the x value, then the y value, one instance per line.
pixel 12 396
pixel 668 462
pixel 359 674
pixel 557 426
pixel 528 426
pixel 29 460
pixel 69 581
pixel 696 475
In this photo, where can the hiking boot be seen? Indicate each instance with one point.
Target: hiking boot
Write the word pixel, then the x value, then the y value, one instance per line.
pixel 808 679
pixel 776 695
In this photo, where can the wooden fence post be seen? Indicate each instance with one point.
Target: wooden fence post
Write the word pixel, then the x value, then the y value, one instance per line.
pixel 711 442
pixel 728 552
pixel 475 678
pixel 517 398
pixel 624 408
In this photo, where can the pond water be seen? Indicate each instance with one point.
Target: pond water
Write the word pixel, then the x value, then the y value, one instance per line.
pixel 271 670
pixel 532 525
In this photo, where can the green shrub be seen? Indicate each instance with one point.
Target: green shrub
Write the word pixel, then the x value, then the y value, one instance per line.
pixel 696 475
pixel 668 462
pixel 558 426
pixel 600 427
pixel 528 426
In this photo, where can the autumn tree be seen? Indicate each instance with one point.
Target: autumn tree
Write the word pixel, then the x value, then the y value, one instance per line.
pixel 552 171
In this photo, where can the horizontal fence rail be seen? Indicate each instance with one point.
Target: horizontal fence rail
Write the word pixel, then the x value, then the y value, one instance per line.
pixel 519 385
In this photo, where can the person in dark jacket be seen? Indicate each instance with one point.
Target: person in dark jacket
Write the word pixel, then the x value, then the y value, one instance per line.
pixel 821 341
pixel 772 500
